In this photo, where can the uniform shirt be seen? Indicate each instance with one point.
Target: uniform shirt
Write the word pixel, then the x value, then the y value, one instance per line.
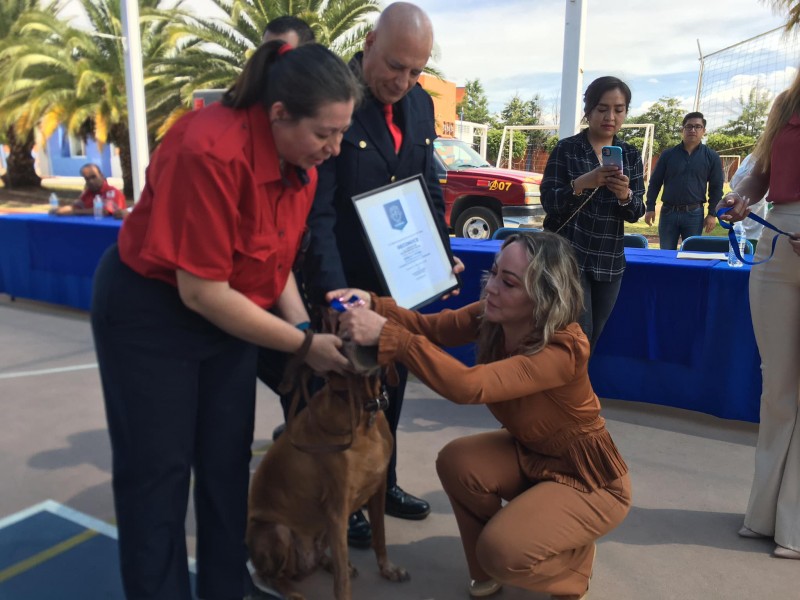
pixel 784 176
pixel 113 199
pixel 596 231
pixel 686 178
pixel 545 400
pixel 216 205
pixel 339 253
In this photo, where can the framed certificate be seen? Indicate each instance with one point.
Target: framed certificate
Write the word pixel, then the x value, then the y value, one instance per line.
pixel 414 262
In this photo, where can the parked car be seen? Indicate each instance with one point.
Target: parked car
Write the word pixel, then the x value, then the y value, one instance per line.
pixel 479 198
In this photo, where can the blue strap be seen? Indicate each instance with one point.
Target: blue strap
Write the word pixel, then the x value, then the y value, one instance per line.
pixel 735 243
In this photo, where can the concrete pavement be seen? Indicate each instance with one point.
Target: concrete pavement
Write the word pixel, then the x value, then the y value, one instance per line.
pixel 691 475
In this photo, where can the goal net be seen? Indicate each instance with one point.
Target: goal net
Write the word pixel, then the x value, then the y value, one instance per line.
pixel 766 64
pixel 537 163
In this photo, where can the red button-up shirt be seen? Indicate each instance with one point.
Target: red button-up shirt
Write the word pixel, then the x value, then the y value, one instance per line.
pixel 215 204
pixel 784 180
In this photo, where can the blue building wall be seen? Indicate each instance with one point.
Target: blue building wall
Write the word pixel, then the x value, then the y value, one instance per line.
pixel 63 164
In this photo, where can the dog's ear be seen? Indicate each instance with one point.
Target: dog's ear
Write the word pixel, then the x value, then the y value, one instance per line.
pixel 329 320
pixel 363 358
pixel 392 376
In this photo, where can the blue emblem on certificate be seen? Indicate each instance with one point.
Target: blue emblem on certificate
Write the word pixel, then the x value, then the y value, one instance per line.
pixel 397 216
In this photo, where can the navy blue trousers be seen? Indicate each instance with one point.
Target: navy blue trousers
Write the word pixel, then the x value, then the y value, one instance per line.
pixel 180 400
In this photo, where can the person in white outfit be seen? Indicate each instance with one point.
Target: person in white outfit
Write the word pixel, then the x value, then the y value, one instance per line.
pixel 774 507
pixel 752 229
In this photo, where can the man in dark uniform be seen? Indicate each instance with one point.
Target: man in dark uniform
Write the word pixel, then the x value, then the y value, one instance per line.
pixel 390 138
pixel 290 29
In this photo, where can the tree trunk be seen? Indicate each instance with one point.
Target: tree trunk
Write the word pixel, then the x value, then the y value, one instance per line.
pixel 21 171
pixel 119 135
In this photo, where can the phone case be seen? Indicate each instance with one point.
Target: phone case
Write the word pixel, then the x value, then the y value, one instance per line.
pixel 612 155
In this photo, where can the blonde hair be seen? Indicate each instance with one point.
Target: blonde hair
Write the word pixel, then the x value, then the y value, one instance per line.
pixel 786 104
pixel 553 284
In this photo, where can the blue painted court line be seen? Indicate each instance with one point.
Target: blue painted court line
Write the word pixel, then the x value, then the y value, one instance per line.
pixel 51 552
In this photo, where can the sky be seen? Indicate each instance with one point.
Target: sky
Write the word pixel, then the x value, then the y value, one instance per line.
pixel 516 46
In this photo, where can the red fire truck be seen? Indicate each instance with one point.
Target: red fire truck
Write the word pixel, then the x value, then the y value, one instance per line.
pixel 479 198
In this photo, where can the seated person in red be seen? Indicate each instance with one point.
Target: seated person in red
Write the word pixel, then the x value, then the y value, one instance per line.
pixel 96 185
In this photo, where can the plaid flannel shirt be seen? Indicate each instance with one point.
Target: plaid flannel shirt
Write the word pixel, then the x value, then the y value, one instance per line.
pixel 596 231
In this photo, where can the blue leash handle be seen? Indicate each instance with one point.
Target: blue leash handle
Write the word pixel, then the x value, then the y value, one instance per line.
pixel 734 242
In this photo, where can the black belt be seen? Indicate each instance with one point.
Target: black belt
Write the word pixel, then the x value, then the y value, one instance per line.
pixel 682 207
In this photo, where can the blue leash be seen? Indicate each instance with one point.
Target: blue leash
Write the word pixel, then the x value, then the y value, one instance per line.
pixel 735 243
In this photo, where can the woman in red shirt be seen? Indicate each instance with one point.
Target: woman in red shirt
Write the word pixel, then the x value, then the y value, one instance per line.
pixel 774 507
pixel 553 463
pixel 179 308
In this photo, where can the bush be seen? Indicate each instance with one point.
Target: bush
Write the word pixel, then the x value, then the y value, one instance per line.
pixel 493 144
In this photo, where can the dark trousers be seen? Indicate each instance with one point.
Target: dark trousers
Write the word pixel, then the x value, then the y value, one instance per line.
pixel 271 365
pixel 599 298
pixel 180 398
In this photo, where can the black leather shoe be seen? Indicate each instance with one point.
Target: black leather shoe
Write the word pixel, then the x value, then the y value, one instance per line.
pixel 405 506
pixel 359 533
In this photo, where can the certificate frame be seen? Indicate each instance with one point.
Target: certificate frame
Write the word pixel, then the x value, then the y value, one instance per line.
pixel 413 261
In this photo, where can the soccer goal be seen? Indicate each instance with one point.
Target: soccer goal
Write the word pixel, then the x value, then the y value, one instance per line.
pixel 647 147
pixel 730 164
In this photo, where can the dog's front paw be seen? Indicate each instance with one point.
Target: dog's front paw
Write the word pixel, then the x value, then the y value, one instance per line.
pixel 394 573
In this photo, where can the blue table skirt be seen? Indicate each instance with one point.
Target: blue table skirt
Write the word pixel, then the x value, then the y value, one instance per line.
pixel 53 259
pixel 680 334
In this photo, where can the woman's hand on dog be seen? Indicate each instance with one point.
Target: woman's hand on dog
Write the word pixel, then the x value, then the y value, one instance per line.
pixel 324 354
pixel 361 325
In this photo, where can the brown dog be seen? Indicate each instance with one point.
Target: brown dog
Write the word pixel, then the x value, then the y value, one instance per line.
pixel 330 461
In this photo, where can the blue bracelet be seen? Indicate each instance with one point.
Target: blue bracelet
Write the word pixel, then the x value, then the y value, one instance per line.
pixel 304 325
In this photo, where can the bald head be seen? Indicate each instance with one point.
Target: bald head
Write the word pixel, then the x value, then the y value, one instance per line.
pixel 396 51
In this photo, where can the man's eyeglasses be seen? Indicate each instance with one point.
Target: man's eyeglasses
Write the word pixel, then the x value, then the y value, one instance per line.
pixel 692 127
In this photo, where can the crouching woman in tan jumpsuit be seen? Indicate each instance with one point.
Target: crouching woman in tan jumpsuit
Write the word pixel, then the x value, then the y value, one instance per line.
pixel 553 461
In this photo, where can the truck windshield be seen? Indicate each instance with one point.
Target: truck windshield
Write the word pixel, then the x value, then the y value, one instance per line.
pixel 457 155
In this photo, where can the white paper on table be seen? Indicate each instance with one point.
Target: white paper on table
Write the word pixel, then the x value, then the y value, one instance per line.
pixel 703 255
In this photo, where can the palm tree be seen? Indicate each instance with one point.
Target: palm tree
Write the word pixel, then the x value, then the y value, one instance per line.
pixel 56 73
pixel 21 171
pixel 212 51
pixel 792 8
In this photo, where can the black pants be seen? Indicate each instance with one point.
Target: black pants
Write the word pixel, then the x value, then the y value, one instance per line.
pixel 599 298
pixel 271 365
pixel 180 398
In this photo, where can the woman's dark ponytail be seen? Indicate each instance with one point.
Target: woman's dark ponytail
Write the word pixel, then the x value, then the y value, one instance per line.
pixel 303 79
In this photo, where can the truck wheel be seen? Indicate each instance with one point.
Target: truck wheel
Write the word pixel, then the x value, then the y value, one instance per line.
pixel 477 223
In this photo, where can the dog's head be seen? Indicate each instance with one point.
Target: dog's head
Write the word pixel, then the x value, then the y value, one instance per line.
pixel 363 358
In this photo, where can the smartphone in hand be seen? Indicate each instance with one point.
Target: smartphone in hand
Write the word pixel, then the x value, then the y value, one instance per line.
pixel 612 156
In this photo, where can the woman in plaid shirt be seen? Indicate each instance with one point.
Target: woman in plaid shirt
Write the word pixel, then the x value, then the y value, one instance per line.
pixel 588 203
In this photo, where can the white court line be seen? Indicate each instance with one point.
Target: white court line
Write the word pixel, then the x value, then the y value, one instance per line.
pixel 48 371
pixel 64 512
pixel 73 515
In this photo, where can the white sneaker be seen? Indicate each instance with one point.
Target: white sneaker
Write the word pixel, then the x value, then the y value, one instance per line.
pixel 746 532
pixel 784 552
